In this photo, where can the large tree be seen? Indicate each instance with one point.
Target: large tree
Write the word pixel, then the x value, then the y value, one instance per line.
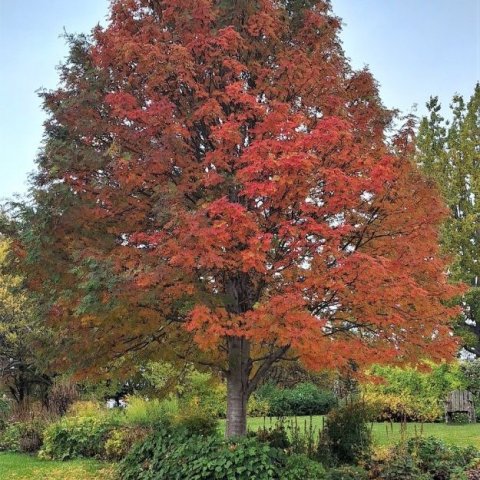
pixel 216 185
pixel 448 152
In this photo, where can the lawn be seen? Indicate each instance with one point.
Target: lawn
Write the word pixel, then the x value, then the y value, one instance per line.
pixel 385 433
pixel 16 466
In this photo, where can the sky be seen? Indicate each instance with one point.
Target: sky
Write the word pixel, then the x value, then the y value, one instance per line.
pixel 414 48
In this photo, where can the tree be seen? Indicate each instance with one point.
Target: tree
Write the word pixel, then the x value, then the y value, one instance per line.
pixel 22 373
pixel 215 185
pixel 449 154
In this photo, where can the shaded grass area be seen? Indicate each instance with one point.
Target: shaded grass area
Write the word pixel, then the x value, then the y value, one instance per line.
pixel 385 433
pixel 16 466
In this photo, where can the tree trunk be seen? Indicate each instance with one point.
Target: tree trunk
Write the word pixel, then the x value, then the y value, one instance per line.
pixel 239 366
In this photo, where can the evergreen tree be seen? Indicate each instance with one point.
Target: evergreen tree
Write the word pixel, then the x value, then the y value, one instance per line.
pixel 449 152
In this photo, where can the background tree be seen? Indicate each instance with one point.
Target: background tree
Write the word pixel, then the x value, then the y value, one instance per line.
pixel 449 153
pixel 22 373
pixel 215 185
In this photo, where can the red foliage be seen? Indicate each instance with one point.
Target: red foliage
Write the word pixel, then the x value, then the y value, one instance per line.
pixel 240 169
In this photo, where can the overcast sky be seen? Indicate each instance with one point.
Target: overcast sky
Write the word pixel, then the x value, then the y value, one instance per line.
pixel 415 48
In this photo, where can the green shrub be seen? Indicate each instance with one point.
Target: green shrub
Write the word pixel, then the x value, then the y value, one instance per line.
pixel 412 394
pixel 276 437
pixel 10 437
pixel 303 399
pixel 425 459
pixel 402 466
pixel 74 437
pixel 346 472
pixel 346 438
pixel 197 423
pixel 300 467
pixel 121 440
pixel 144 412
pixel 24 437
pixel 439 459
pixel 174 455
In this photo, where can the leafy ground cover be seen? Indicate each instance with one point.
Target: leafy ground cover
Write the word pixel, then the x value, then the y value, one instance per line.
pixel 16 466
pixel 387 434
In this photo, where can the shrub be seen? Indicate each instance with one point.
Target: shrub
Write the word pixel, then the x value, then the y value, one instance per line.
pixel 144 412
pixel 10 437
pixel 411 394
pixel 197 423
pixel 24 437
pixel 276 437
pixel 300 467
pixel 174 455
pixel 439 459
pixel 425 459
pixel 122 439
pixel 346 437
pixel 303 399
pixel 74 437
pixel 346 473
pixel 258 407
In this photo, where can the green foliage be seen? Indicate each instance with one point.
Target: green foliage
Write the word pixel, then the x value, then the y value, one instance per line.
pixel 21 332
pixel 471 375
pixel 346 438
pixel 258 407
pixel 411 394
pixel 425 459
pixel 448 153
pixel 439 459
pixel 174 455
pixel 303 399
pixel 197 423
pixel 300 467
pixel 192 388
pixel 24 437
pixel 121 440
pixel 346 472
pixel 74 437
pixel 146 412
pixel 276 437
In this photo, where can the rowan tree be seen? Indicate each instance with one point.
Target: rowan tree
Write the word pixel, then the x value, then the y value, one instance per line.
pixel 448 153
pixel 215 185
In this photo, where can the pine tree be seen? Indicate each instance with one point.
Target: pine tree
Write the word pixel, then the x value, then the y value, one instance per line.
pixel 449 152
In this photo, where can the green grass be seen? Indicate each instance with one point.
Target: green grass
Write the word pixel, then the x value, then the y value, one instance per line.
pixel 16 466
pixel 386 434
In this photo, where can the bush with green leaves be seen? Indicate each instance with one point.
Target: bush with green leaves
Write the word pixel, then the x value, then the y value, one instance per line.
pixel 425 459
pixel 412 394
pixel 173 454
pixel 75 437
pixel 300 467
pixel 303 399
pixel 188 386
pixel 24 436
pixel 121 440
pixel 346 437
pixel 346 472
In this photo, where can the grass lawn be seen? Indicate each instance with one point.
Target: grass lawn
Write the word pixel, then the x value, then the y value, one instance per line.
pixel 385 433
pixel 16 466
